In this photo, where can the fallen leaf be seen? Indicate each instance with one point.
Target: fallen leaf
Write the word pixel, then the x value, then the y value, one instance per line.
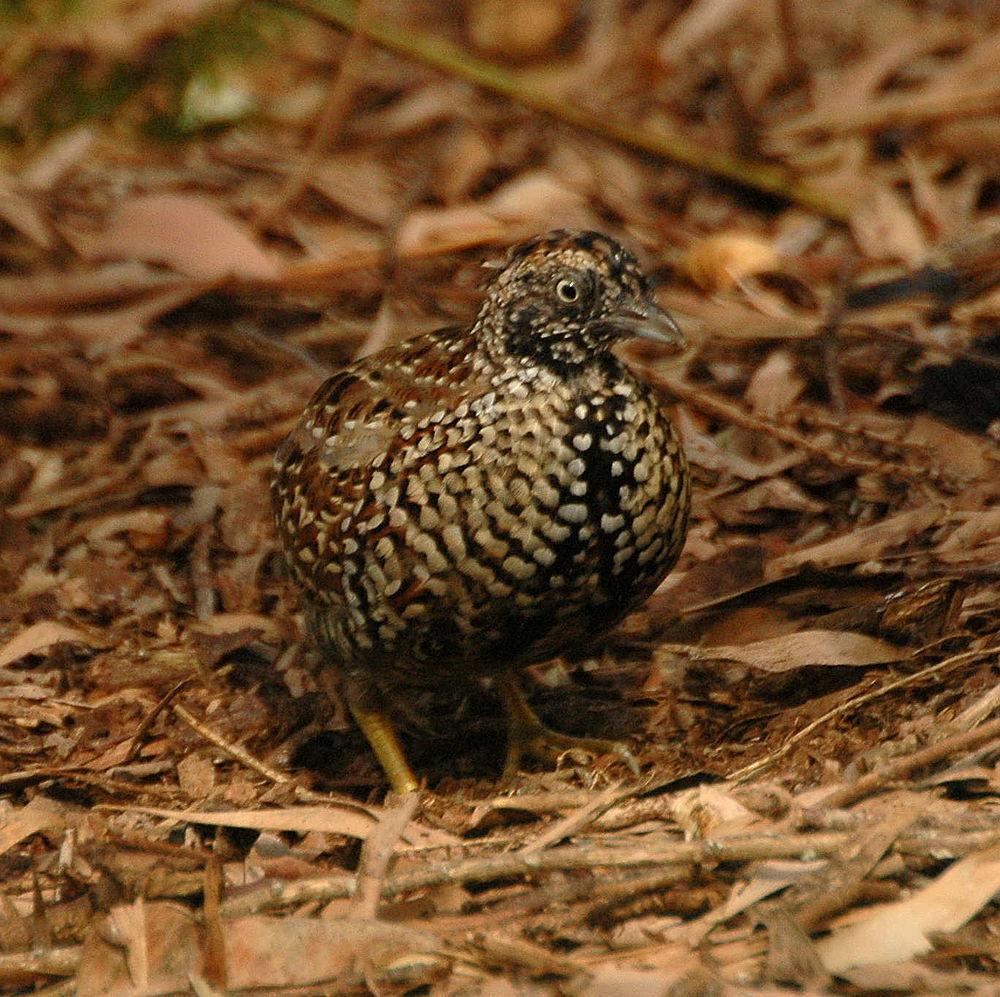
pixel 774 385
pixel 41 814
pixel 720 261
pixel 748 505
pixel 978 528
pixel 353 821
pixel 39 637
pixel 705 811
pixel 900 931
pixel 887 229
pixel 808 647
pixel 858 545
pixel 187 233
pixel 263 952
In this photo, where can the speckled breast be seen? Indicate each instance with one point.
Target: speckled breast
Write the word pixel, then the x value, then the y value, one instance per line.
pixel 514 525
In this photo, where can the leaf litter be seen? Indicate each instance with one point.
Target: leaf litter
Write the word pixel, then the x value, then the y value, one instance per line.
pixel 811 696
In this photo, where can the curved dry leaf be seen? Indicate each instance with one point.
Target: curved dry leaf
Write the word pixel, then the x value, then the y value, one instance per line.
pixel 809 647
pixel 979 528
pixel 40 637
pixel 530 202
pixel 279 952
pixel 187 233
pixel 887 229
pixel 718 262
pixel 354 821
pixel 900 931
pixel 41 814
pixel 23 215
pixel 859 545
pixel 774 386
pixel 772 493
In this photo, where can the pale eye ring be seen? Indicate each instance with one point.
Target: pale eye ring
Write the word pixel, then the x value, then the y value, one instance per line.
pixel 567 290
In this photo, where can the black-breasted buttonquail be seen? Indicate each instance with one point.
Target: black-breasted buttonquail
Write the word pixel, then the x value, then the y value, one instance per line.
pixel 475 500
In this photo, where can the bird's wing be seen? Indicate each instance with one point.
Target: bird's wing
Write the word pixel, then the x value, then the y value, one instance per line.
pixel 328 470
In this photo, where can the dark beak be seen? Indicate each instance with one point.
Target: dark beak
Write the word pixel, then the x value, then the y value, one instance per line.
pixel 648 321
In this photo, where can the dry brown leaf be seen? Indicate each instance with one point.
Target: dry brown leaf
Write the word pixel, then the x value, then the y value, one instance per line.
pixel 162 945
pixel 978 528
pixel 18 823
pixel 900 931
pixel 705 451
pixel 58 290
pixel 963 454
pixel 720 261
pixel 40 637
pixel 196 776
pixel 700 22
pixel 706 811
pixel 223 624
pixel 187 233
pixel 887 229
pixel 360 185
pixel 265 952
pixel 23 215
pixel 746 505
pixel 664 975
pixel 58 156
pixel 524 205
pixel 774 385
pixel 808 647
pixel 863 544
pixel 332 818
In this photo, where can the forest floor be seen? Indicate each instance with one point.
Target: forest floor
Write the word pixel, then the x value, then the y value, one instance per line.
pixel 811 695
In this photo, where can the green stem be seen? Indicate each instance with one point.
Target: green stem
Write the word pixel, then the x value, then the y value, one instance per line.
pixel 455 61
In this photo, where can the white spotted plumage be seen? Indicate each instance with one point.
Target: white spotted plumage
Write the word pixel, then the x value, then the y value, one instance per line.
pixel 453 503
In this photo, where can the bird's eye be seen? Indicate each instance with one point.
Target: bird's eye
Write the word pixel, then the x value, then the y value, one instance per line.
pixel 567 290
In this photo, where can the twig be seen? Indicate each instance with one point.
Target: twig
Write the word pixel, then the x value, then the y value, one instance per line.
pixel 578 819
pixel 743 774
pixel 376 853
pixel 214 969
pixel 839 887
pixel 233 750
pixel 240 754
pixel 331 119
pixel 448 58
pixel 515 952
pixel 274 894
pixel 56 962
pixel 137 738
pixel 737 848
pixel 879 777
pixel 713 404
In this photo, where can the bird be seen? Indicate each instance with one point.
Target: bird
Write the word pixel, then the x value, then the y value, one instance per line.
pixel 475 500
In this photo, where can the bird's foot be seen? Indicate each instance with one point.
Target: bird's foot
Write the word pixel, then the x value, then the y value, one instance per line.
pixel 528 737
pixel 542 744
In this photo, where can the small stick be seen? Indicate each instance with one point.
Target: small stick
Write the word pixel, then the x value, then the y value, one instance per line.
pixel 578 819
pixel 713 404
pixel 741 775
pixel 442 55
pixel 376 854
pixel 233 750
pixel 143 729
pixel 877 778
pixel 331 119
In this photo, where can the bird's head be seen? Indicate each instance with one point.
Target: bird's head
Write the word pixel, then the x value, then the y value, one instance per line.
pixel 565 298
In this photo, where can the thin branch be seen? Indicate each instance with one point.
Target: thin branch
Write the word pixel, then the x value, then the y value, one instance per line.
pixel 876 779
pixel 451 59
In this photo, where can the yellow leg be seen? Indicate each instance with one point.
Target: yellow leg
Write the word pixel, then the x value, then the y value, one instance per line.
pixel 371 716
pixel 528 736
